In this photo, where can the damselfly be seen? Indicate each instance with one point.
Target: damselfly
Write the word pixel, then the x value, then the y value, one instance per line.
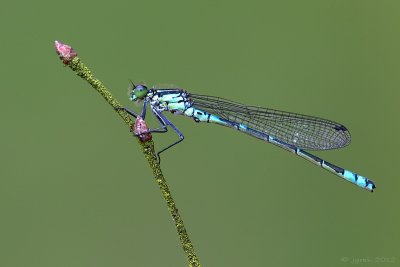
pixel 293 132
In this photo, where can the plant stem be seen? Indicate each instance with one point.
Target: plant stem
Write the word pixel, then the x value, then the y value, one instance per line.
pixel 147 148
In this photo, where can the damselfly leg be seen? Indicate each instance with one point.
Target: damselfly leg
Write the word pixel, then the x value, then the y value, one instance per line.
pixel 132 113
pixel 163 129
pixel 166 122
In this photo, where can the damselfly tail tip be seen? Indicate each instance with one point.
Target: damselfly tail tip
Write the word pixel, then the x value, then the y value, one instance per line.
pixel 370 186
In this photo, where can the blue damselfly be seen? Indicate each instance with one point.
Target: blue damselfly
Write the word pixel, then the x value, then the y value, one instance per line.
pixel 293 132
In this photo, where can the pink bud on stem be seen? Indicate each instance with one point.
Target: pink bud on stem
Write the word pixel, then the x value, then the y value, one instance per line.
pixel 140 128
pixel 65 52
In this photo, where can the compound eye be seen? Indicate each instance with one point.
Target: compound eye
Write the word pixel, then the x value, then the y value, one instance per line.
pixel 140 91
pixel 141 87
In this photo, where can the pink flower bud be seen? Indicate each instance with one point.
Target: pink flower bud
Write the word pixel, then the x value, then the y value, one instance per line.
pixel 140 128
pixel 65 52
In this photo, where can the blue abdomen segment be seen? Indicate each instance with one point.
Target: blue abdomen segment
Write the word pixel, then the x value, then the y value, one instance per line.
pixel 361 181
pixel 202 116
pixel 345 174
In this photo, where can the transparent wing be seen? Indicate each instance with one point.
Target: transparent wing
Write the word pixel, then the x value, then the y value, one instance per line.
pixel 302 131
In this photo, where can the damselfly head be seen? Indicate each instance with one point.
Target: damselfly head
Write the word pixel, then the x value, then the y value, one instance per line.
pixel 137 92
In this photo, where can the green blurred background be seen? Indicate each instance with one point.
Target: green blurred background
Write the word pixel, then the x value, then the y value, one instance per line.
pixel 75 190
